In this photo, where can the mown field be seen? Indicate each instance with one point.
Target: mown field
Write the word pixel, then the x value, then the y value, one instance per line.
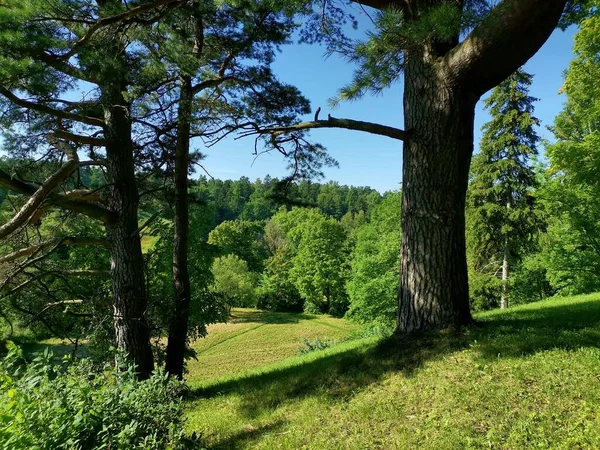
pixel 527 378
pixel 253 338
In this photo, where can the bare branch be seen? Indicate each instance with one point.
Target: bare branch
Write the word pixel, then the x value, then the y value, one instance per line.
pixel 48 110
pixel 73 241
pixel 36 200
pixel 80 139
pixel 332 122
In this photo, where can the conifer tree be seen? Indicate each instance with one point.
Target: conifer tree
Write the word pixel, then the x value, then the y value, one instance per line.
pixel 500 204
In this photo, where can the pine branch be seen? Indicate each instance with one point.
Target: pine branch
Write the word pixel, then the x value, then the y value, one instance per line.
pixel 117 18
pixel 72 241
pixel 80 139
pixel 49 110
pixel 333 122
pixel 89 209
pixel 38 197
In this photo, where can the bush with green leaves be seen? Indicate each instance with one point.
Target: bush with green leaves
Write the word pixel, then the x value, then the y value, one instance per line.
pixel 312 345
pixel 233 281
pixel 48 406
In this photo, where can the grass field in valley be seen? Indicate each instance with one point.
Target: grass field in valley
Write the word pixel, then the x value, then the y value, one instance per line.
pixel 254 338
pixel 527 378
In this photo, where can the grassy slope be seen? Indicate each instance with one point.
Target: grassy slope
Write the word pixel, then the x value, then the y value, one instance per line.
pixel 253 339
pixel 529 378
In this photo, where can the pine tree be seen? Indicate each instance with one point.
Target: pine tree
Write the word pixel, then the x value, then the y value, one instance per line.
pixel 501 218
pixel 448 53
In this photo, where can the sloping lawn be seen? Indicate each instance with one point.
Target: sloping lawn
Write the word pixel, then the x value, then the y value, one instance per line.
pixel 254 338
pixel 527 378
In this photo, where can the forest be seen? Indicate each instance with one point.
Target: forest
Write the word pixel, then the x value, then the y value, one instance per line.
pixel 146 304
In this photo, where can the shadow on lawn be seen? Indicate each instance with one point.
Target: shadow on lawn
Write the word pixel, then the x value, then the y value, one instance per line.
pixel 522 332
pixel 337 375
pixel 512 334
pixel 249 434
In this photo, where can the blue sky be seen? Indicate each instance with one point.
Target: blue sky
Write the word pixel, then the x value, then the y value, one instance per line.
pixel 365 159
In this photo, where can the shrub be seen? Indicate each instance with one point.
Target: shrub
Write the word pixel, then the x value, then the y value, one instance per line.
pixel 484 291
pixel 44 405
pixel 315 344
pixel 233 281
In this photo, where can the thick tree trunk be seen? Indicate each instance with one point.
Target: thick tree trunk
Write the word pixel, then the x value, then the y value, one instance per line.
pixel 179 322
pixel 130 300
pixel 433 290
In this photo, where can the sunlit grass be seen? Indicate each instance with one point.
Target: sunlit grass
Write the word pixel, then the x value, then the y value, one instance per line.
pixel 528 378
pixel 253 338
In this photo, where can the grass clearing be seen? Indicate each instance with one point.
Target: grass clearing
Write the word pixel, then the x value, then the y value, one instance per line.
pixel 528 378
pixel 254 338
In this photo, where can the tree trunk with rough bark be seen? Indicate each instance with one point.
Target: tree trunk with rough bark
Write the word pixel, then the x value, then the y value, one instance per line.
pixel 179 322
pixel 130 299
pixel 433 284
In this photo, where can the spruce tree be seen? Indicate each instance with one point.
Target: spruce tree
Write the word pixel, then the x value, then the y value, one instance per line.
pixel 500 204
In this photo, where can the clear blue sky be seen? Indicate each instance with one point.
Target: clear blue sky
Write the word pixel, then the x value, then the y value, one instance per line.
pixel 365 159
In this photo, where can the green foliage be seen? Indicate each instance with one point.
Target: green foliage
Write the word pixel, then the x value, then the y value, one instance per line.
pixel 276 292
pixel 501 219
pixel 233 281
pixel 571 194
pixel 530 278
pixel 571 252
pixel 308 260
pixel 241 238
pixel 375 265
pixel 313 345
pixel 484 291
pixel 318 264
pixel 47 406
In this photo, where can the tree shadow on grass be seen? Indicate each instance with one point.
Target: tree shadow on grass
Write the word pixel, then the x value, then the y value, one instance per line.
pixel 341 375
pixel 336 375
pixel 248 435
pixel 525 331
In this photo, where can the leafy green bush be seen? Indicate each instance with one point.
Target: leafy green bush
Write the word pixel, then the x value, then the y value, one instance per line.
pixel 234 281
pixel 44 405
pixel 315 344
pixel 484 291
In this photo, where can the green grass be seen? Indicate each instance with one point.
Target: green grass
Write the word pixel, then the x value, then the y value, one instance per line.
pixel 254 338
pixel 528 378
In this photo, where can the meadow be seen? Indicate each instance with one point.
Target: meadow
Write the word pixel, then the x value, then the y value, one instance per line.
pixel 528 377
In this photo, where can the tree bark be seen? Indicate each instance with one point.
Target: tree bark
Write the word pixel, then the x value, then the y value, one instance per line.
pixel 130 299
pixel 433 289
pixel 179 322
pixel 441 89
pixel 505 269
